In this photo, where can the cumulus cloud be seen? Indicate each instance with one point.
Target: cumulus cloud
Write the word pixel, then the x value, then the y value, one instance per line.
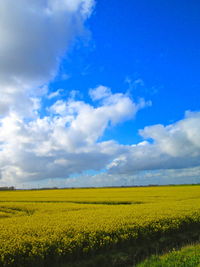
pixel 34 36
pixel 100 92
pixel 64 142
pixel 166 147
pixel 67 141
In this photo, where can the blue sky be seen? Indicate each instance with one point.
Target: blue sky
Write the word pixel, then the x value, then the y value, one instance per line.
pixel 150 49
pixel 99 93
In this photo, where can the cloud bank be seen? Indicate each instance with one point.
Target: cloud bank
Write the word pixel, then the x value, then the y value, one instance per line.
pixel 35 34
pixel 166 147
pixel 67 141
pixel 64 142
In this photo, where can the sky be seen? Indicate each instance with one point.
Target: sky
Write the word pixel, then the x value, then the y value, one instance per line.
pixel 99 93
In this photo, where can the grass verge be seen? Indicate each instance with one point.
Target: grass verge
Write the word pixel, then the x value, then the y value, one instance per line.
pixel 188 256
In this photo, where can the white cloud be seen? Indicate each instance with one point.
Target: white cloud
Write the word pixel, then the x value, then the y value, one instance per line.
pixel 89 123
pixel 99 93
pixel 67 142
pixel 63 143
pixel 34 36
pixel 55 94
pixel 172 147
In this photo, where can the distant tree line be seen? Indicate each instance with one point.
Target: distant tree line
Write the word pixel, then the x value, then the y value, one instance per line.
pixel 6 188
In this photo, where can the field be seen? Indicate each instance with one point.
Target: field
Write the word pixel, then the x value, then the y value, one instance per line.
pixel 95 227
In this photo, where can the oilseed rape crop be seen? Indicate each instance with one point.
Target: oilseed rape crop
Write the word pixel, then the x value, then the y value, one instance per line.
pixel 55 227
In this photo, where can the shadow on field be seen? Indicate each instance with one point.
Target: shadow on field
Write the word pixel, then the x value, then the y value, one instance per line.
pixel 125 253
pixel 108 202
pixel 77 202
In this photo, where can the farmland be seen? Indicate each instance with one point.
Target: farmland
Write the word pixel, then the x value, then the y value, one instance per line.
pixel 78 227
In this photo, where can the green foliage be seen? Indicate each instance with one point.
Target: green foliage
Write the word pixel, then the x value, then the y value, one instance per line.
pixel 186 257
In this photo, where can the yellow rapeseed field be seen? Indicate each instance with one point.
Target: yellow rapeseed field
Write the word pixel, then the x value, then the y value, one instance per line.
pixel 47 225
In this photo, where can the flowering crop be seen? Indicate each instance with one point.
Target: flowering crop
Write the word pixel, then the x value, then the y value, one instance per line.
pixel 73 223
